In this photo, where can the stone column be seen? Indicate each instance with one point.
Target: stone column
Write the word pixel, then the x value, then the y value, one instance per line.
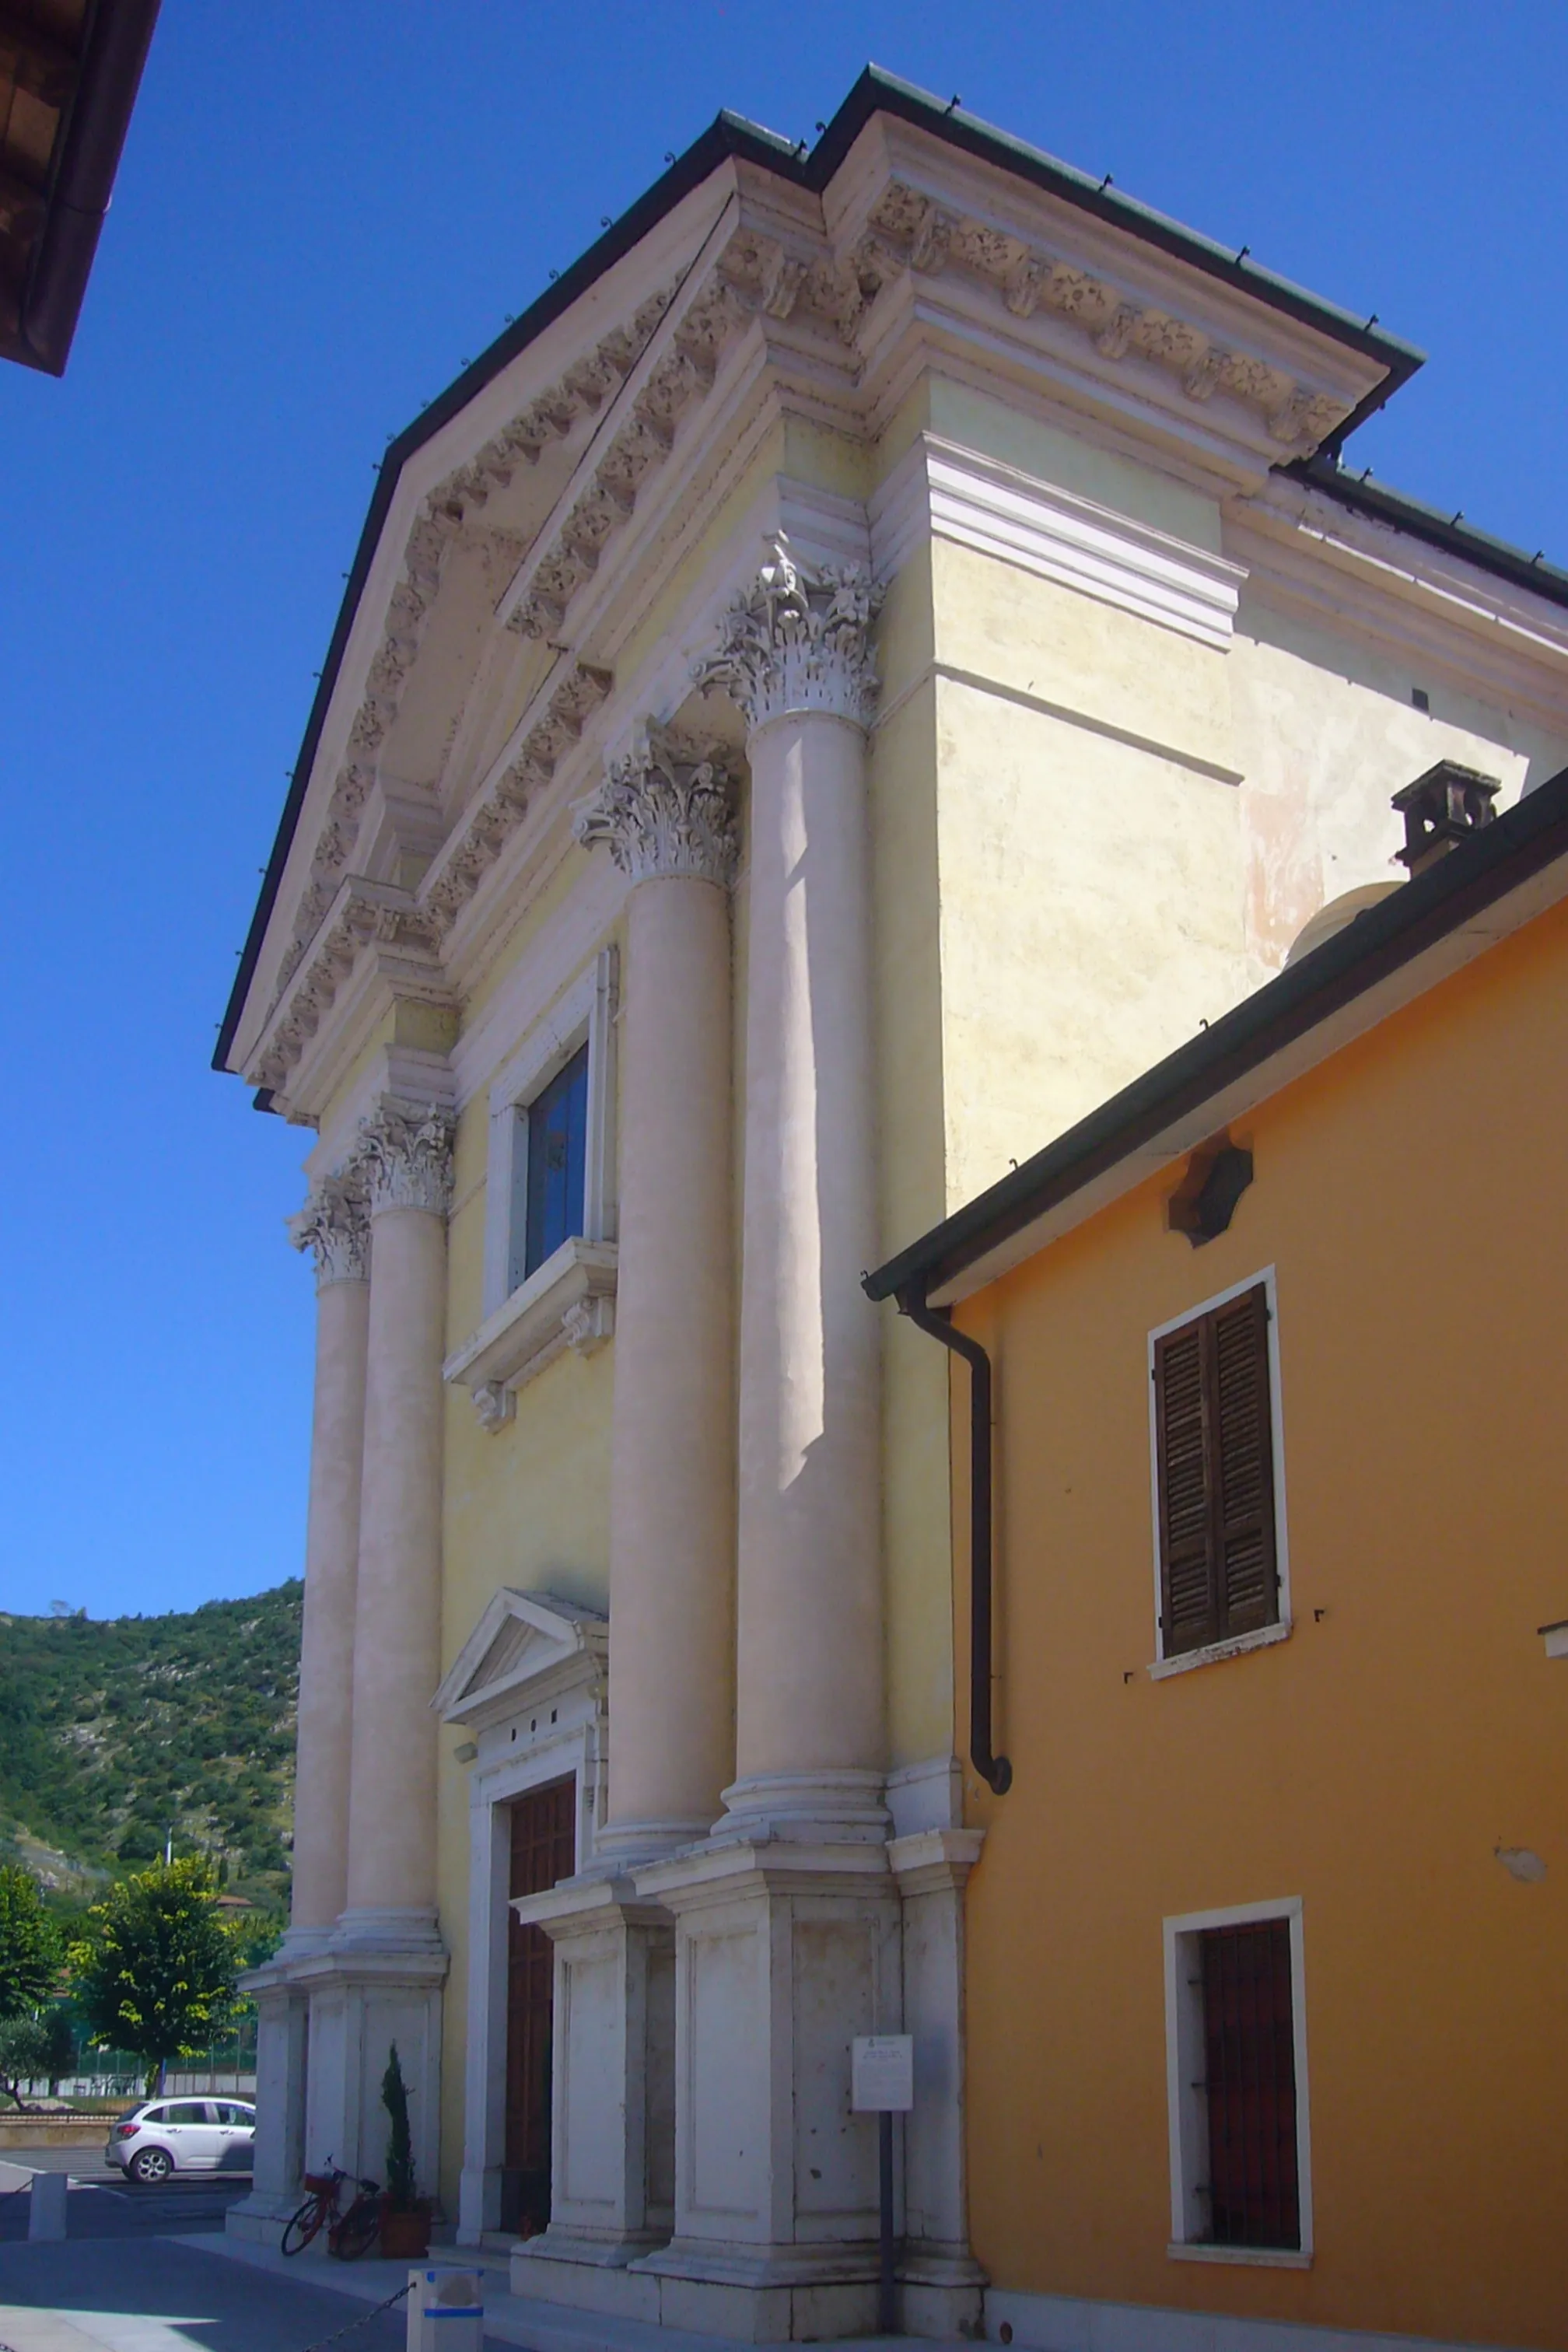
pixel 667 813
pixel 787 1920
pixel 668 816
pixel 404 1157
pixel 794 655
pixel 334 1227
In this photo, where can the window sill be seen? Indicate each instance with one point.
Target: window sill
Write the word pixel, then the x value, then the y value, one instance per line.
pixel 1264 1637
pixel 1265 2257
pixel 567 1302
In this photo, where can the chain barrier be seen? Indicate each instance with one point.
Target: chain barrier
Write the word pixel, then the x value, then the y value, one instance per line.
pixel 366 2316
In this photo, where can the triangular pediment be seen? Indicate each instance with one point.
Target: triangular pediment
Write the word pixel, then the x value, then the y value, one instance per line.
pixel 522 1641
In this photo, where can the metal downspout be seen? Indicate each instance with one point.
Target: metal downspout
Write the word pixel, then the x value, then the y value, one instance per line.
pixel 911 1301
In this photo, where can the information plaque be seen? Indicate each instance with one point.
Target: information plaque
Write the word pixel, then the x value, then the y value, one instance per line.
pixel 883 2074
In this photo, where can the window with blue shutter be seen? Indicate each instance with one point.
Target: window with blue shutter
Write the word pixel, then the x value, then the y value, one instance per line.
pixel 553 1165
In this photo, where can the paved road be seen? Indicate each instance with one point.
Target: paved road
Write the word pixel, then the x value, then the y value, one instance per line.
pixel 101 2203
pixel 156 2296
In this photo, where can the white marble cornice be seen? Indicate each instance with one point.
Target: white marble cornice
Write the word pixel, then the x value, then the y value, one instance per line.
pixel 668 808
pixel 940 490
pixel 334 1227
pixel 797 639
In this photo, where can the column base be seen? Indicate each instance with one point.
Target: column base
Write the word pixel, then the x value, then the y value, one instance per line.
pixel 613 2103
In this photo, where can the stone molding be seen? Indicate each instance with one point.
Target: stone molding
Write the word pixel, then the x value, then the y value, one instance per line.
pixel 404 1157
pixel 921 235
pixel 365 914
pixel 668 809
pixel 567 1302
pixel 496 811
pixel 798 639
pixel 585 385
pixel 942 490
pixel 334 1225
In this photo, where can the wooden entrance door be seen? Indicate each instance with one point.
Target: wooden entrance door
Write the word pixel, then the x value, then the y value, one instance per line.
pixel 543 1849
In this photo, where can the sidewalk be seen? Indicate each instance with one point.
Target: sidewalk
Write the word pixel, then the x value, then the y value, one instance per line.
pixel 512 2319
pixel 156 2294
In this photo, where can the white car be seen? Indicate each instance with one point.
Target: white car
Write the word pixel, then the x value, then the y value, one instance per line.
pixel 159 2136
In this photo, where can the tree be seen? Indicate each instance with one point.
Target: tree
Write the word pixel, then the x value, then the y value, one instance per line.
pixel 29 1944
pixel 400 2187
pixel 36 2049
pixel 154 1975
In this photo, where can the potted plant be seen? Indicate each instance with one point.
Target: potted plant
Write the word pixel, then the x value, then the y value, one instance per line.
pixel 404 2215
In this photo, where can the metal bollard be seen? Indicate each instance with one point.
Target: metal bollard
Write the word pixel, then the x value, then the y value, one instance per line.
pixel 446 2309
pixel 46 2206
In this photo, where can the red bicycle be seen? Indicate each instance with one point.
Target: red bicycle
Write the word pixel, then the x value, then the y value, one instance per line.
pixel 351 2231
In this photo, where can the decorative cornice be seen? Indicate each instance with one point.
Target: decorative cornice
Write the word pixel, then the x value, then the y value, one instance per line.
pixel 364 912
pixel 334 1225
pixel 494 812
pixel 798 639
pixel 404 1158
pixel 669 809
pixel 909 227
pixel 585 385
pixel 940 490
pixel 684 373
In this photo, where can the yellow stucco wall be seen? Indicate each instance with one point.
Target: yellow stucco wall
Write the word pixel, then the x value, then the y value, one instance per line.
pixel 1409 1195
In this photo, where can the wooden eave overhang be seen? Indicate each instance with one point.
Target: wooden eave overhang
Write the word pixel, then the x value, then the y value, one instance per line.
pixel 729 139
pixel 1485 889
pixel 69 71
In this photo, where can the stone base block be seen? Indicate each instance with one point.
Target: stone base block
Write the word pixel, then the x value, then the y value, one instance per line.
pixel 258 2220
pixel 545 2273
pixel 942 2312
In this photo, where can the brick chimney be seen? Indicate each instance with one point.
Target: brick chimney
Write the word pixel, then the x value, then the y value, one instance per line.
pixel 1441 809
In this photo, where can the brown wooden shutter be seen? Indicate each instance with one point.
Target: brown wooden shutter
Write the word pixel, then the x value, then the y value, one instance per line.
pixel 1214 1441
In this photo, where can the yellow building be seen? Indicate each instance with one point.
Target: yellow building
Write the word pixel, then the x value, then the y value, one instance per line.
pixel 1266 1944
pixel 882 650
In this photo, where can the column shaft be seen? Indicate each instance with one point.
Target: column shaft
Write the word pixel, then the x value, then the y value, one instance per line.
pixel 809 1680
pixel 327 1647
pixel 391 1815
pixel 671 1480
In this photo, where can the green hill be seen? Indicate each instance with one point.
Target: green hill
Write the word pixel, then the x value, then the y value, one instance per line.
pixel 113 1733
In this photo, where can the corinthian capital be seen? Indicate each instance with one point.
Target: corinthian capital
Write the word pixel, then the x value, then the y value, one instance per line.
pixel 405 1157
pixel 334 1225
pixel 798 639
pixel 668 809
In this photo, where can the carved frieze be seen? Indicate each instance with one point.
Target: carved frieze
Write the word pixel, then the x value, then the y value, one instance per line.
pixel 927 240
pixel 366 913
pixel 404 1158
pixel 668 809
pixel 798 639
pixel 495 816
pixel 334 1227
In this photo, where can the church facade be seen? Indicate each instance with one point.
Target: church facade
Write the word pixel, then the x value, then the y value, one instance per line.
pixel 881 653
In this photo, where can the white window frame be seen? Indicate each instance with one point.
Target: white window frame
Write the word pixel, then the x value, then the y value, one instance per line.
pixel 583 1013
pixel 1185 1660
pixel 1186 2105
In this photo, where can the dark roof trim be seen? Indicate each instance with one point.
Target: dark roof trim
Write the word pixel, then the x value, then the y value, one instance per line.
pixel 1449 533
pixel 1450 894
pixel 118 37
pixel 731 135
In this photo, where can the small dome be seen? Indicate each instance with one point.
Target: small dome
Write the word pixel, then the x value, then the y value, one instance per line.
pixel 1336 915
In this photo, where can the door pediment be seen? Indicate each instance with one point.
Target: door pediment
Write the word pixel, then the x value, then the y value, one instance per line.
pixel 525 1645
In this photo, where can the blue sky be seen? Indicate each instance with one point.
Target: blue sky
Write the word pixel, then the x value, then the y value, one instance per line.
pixel 322 212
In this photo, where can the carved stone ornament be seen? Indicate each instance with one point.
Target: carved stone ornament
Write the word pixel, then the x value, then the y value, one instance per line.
pixel 588 1324
pixel 910 228
pixel 798 639
pixel 334 1225
pixel 405 1157
pixel 495 1404
pixel 669 809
